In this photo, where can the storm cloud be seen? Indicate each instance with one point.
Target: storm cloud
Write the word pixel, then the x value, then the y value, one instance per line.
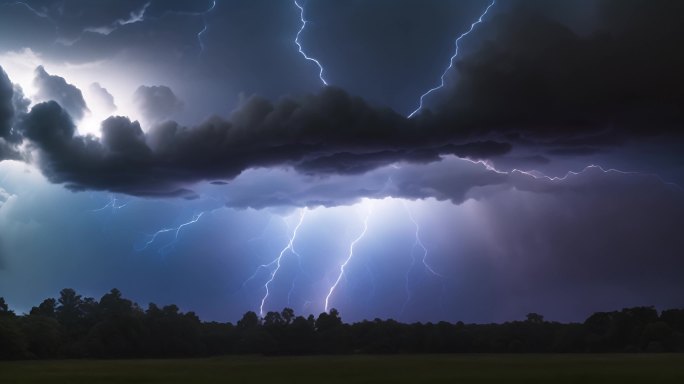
pixel 327 133
pixel 103 96
pixel 6 104
pixel 545 82
pixel 511 95
pixel 12 104
pixel 157 103
pixel 56 88
pixel 218 107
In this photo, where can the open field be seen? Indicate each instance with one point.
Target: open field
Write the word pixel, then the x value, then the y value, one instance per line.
pixel 584 369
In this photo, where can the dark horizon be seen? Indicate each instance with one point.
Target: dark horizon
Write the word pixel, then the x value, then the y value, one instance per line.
pixel 73 326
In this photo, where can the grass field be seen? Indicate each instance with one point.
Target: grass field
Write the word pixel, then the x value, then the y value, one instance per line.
pixel 583 369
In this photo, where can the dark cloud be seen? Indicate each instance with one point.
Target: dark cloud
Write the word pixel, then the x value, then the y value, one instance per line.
pixel 538 78
pixel 55 88
pixel 532 92
pixel 6 105
pixel 577 151
pixel 157 103
pixel 598 241
pixel 355 163
pixel 12 104
pixel 82 161
pixel 20 102
pixel 105 99
pixel 411 40
pixel 69 20
pixel 8 151
pixel 328 133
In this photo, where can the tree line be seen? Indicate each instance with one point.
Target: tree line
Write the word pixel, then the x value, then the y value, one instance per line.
pixel 73 326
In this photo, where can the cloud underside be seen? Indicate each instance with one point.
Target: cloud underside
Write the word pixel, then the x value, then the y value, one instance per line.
pixel 533 93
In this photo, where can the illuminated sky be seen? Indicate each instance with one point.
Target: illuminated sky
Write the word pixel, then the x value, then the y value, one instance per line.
pixel 190 152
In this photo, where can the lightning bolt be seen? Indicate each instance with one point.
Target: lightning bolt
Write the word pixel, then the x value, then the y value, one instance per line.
pixel 451 62
pixel 346 262
pixel 206 26
pixel 417 243
pixel 276 263
pixel 112 203
pixel 299 45
pixel 176 230
pixel 539 175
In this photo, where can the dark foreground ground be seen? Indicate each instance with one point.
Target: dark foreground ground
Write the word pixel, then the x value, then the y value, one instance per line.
pixel 584 369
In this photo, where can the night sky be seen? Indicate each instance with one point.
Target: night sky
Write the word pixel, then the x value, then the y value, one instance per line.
pixel 467 160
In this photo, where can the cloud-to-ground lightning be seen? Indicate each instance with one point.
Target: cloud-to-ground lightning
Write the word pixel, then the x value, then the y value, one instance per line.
pixel 278 260
pixel 417 244
pixel 299 45
pixel 176 230
pixel 276 263
pixel 451 61
pixel 331 291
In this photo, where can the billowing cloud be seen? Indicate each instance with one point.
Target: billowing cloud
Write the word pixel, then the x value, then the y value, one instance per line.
pixel 510 100
pixel 6 105
pixel 8 151
pixel 329 133
pixel 541 86
pixel 156 103
pixel 56 88
pixel 102 97
pixel 12 104
pixel 452 179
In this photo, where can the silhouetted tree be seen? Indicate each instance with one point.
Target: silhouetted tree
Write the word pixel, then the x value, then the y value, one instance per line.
pixel 12 342
pixel 535 318
pixel 288 315
pixel 3 306
pixel 115 327
pixel 43 336
pixel 249 320
pixel 46 309
pixel 328 321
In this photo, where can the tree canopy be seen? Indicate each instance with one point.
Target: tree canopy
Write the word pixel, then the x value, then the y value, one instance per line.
pixel 73 326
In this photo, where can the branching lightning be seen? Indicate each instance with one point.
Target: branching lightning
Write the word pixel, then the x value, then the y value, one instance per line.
pixel 451 62
pixel 176 230
pixel 418 243
pixel 274 266
pixel 346 262
pixel 539 175
pixel 299 45
pixel 277 261
pixel 113 203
